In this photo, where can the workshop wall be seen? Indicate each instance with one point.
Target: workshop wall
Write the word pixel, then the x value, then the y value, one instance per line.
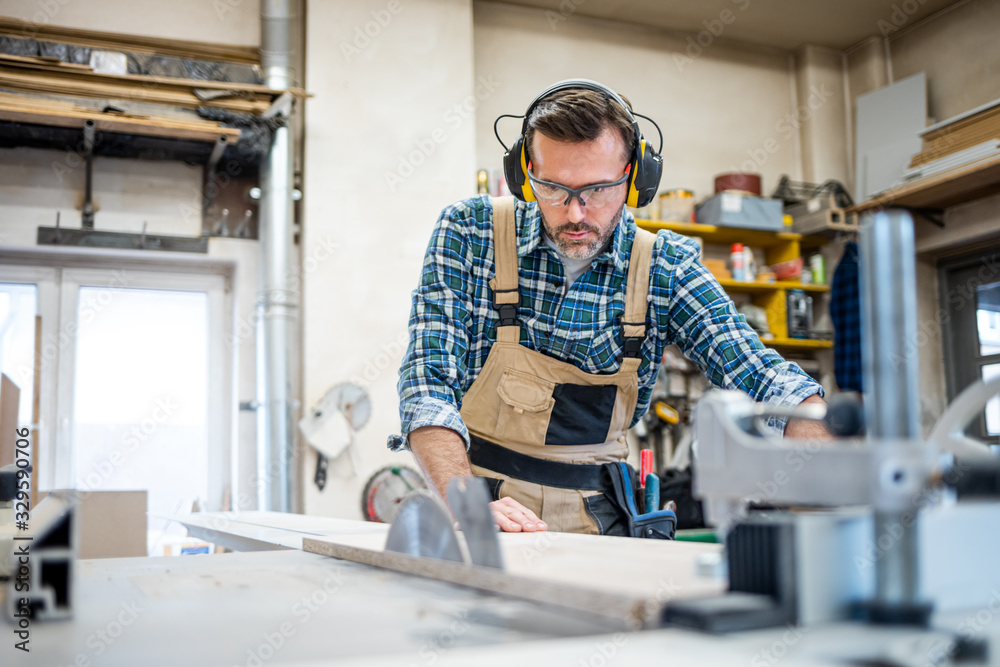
pixel 959 51
pixel 722 106
pixel 819 86
pixel 35 184
pixel 391 137
pixel 234 22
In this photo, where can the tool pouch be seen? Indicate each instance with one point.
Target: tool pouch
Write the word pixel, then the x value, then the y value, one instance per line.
pixel 658 524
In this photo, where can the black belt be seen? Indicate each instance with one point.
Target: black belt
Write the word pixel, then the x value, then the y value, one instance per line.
pixel 580 476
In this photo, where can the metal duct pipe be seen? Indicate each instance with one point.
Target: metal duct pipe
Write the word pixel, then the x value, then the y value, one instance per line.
pixel 277 303
pixel 890 378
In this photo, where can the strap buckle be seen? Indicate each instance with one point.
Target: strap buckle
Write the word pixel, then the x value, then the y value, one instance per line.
pixel 508 314
pixel 506 311
pixel 633 346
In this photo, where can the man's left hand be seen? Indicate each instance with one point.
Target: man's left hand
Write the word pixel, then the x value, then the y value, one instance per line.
pixel 808 429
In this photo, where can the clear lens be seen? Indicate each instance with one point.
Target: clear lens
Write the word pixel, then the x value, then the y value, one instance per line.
pixel 599 197
pixel 549 194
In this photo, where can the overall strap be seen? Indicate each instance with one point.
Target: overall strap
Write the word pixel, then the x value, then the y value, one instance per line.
pixel 504 284
pixel 636 291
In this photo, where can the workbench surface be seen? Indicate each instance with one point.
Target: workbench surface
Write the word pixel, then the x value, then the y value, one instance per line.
pixel 230 609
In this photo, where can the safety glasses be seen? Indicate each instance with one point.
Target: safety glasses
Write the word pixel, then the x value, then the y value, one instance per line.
pixel 594 196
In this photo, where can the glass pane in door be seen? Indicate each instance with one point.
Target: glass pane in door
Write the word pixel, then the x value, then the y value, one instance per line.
pixel 991 371
pixel 18 305
pixel 988 318
pixel 140 397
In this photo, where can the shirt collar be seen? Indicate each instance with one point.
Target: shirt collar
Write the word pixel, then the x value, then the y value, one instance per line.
pixel 530 236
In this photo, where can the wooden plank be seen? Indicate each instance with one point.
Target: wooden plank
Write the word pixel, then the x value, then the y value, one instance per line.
pixel 629 611
pixel 249 55
pixel 254 531
pixel 150 126
pixel 174 95
pixel 85 73
pixel 9 401
pixel 630 578
pixel 42 63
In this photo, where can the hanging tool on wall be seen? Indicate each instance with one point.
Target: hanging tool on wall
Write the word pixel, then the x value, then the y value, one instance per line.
pixel 331 424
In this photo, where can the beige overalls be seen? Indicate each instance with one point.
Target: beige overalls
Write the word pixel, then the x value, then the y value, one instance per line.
pixel 525 409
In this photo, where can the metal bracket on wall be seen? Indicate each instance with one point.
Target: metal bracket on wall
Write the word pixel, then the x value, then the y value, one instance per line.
pixel 210 187
pixel 87 236
pixel 934 216
pixel 87 219
pixel 96 238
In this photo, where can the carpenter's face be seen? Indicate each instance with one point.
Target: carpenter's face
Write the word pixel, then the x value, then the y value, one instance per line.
pixel 580 231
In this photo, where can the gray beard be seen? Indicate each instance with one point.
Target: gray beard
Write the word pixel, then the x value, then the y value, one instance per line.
pixel 576 251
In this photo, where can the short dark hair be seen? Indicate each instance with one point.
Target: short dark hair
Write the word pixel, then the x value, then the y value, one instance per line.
pixel 579 115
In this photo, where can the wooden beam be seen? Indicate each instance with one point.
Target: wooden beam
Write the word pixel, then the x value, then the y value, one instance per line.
pixel 178 93
pixel 22 110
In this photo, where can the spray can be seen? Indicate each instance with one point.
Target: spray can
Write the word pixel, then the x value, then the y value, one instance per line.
pixel 737 260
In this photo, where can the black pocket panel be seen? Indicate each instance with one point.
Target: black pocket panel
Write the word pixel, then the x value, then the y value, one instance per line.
pixel 608 517
pixel 581 414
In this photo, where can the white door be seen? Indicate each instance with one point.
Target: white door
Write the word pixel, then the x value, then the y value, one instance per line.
pixel 142 379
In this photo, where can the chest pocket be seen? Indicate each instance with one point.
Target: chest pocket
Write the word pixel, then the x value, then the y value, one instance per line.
pixel 525 405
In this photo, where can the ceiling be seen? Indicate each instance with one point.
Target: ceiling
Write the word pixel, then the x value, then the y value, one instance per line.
pixel 782 24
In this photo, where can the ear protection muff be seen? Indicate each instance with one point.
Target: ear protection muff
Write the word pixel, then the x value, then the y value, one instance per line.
pixel 646 165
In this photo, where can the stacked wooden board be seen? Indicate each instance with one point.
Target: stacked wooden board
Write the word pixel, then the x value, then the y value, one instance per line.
pixel 42 111
pixel 959 133
pixel 185 93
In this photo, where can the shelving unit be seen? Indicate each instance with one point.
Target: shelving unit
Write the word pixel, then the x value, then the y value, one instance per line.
pixel 772 297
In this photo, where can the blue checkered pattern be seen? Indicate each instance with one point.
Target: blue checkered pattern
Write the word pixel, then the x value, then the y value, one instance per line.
pixel 845 311
pixel 453 322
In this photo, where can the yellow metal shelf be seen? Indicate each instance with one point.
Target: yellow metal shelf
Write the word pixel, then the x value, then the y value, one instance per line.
pixel 772 297
pixel 742 286
pixel 725 235
pixel 806 343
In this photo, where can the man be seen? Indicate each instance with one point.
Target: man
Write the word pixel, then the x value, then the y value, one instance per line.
pixel 537 327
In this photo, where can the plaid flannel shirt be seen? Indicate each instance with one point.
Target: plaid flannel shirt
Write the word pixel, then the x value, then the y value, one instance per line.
pixel 453 323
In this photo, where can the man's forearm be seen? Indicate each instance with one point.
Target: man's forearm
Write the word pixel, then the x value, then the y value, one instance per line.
pixel 441 454
pixel 808 429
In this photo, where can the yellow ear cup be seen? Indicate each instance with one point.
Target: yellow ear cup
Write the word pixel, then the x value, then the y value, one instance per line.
pixel 633 194
pixel 527 193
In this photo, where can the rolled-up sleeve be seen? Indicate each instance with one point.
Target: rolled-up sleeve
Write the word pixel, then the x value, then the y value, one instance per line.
pixel 702 320
pixel 435 366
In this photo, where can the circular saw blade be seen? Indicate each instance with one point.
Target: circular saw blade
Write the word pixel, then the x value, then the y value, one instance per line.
pixel 424 528
pixel 470 499
pixel 385 491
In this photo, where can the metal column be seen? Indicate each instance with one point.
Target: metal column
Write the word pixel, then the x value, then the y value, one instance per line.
pixel 278 301
pixel 891 390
